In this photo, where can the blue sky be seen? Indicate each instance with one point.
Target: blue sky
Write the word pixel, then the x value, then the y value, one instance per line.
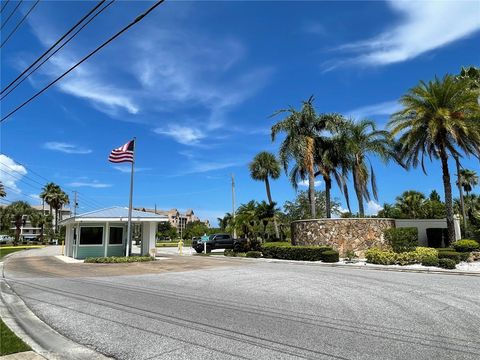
pixel 196 83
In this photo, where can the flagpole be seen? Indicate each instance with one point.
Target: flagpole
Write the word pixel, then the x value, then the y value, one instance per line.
pixel 129 226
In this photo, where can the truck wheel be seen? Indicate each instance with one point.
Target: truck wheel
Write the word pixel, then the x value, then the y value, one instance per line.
pixel 199 251
pixel 236 248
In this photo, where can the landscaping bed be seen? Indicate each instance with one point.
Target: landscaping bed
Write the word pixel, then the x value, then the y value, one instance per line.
pixel 118 259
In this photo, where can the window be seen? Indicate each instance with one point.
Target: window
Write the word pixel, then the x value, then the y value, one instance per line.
pixel 116 236
pixel 91 235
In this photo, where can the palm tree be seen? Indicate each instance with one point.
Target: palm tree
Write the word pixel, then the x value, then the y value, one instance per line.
pixel 361 139
pixel 301 128
pixel 438 121
pixel 246 217
pixel 225 221
pixel 263 167
pixel 411 204
pixel 332 161
pixel 468 179
pixel 17 212
pixel 264 213
pixel 56 198
pixel 2 191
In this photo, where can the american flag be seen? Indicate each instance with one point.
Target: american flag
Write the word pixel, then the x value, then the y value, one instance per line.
pixel 123 154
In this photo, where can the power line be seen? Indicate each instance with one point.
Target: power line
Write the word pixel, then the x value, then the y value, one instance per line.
pixel 134 22
pixel 49 56
pixel 9 16
pixel 55 44
pixel 20 23
pixel 4 4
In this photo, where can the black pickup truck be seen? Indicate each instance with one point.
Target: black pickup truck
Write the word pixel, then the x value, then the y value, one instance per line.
pixel 217 241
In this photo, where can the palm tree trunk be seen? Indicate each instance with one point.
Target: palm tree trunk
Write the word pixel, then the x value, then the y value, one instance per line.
pixel 328 187
pixel 448 196
pixel 462 201
pixel 311 194
pixel 358 192
pixel 269 196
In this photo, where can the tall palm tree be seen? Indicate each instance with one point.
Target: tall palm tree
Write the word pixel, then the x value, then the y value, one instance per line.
pixel 263 167
pixel 264 213
pixel 468 179
pixel 17 212
pixel 362 139
pixel 2 191
pixel 438 119
pixel 56 198
pixel 332 161
pixel 301 128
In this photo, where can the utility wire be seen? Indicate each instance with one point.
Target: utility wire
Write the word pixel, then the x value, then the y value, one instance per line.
pixel 49 56
pixel 20 23
pixel 9 16
pixel 134 22
pixel 56 43
pixel 4 4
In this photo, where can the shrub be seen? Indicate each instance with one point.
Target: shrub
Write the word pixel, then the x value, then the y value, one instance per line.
pixel 426 252
pixel 430 261
pixel 402 239
pixel 307 253
pixel 453 255
pixel 249 245
pixel 466 246
pixel 118 259
pixel 253 254
pixel 447 263
pixel 330 256
pixel 381 257
pixel 229 252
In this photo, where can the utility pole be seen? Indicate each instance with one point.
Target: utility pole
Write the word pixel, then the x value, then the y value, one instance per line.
pixel 233 207
pixel 75 203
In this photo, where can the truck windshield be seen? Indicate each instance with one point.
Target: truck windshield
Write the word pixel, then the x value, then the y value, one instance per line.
pixel 211 237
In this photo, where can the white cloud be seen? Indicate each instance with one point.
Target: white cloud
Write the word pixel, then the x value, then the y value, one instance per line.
pixel 10 174
pixel 384 108
pixel 66 148
pixel 423 26
pixel 182 134
pixel 128 168
pixel 305 183
pixel 93 184
pixel 373 208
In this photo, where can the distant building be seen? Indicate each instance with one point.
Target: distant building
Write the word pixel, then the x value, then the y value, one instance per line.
pixel 178 220
pixel 30 232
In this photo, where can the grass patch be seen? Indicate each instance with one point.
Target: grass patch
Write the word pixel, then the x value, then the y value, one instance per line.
pixel 118 259
pixel 5 250
pixel 10 343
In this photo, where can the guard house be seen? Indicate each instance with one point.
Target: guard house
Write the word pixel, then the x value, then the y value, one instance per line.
pixel 104 232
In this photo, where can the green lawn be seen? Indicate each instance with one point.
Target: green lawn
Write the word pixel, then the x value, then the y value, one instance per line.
pixel 4 252
pixel 10 343
pixel 7 249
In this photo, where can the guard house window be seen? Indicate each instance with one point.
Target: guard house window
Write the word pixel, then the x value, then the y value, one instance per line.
pixel 116 236
pixel 91 235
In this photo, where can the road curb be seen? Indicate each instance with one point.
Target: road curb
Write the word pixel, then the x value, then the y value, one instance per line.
pixel 360 267
pixel 38 335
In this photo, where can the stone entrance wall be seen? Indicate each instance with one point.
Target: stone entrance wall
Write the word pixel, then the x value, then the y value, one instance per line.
pixel 343 234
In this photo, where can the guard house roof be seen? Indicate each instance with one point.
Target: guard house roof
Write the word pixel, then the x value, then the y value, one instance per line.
pixel 114 214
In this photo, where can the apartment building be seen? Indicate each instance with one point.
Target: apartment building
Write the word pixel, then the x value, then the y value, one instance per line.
pixel 177 219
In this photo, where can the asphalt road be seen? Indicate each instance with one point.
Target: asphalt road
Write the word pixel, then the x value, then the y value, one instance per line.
pixel 254 310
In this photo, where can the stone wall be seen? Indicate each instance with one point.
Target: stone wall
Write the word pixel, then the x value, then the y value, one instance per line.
pixel 342 234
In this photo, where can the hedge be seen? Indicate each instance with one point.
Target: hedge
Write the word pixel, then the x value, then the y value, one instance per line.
pixel 466 245
pixel 402 239
pixel 446 263
pixel 430 261
pixel 253 254
pixel 388 257
pixel 330 256
pixel 118 259
pixel 306 253
pixel 455 256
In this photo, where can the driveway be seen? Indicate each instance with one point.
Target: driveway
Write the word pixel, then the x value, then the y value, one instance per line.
pixel 218 308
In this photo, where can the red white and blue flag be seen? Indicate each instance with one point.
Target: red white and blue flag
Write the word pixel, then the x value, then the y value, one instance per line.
pixel 123 153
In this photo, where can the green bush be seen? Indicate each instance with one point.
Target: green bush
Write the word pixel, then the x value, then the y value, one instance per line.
pixel 229 252
pixel 446 263
pixel 388 257
pixel 381 257
pixel 118 259
pixel 253 254
pixel 276 244
pixel 307 253
pixel 430 261
pixel 453 255
pixel 466 246
pixel 330 256
pixel 402 239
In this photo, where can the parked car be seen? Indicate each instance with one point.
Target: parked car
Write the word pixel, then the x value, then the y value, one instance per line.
pixel 217 241
pixel 5 239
